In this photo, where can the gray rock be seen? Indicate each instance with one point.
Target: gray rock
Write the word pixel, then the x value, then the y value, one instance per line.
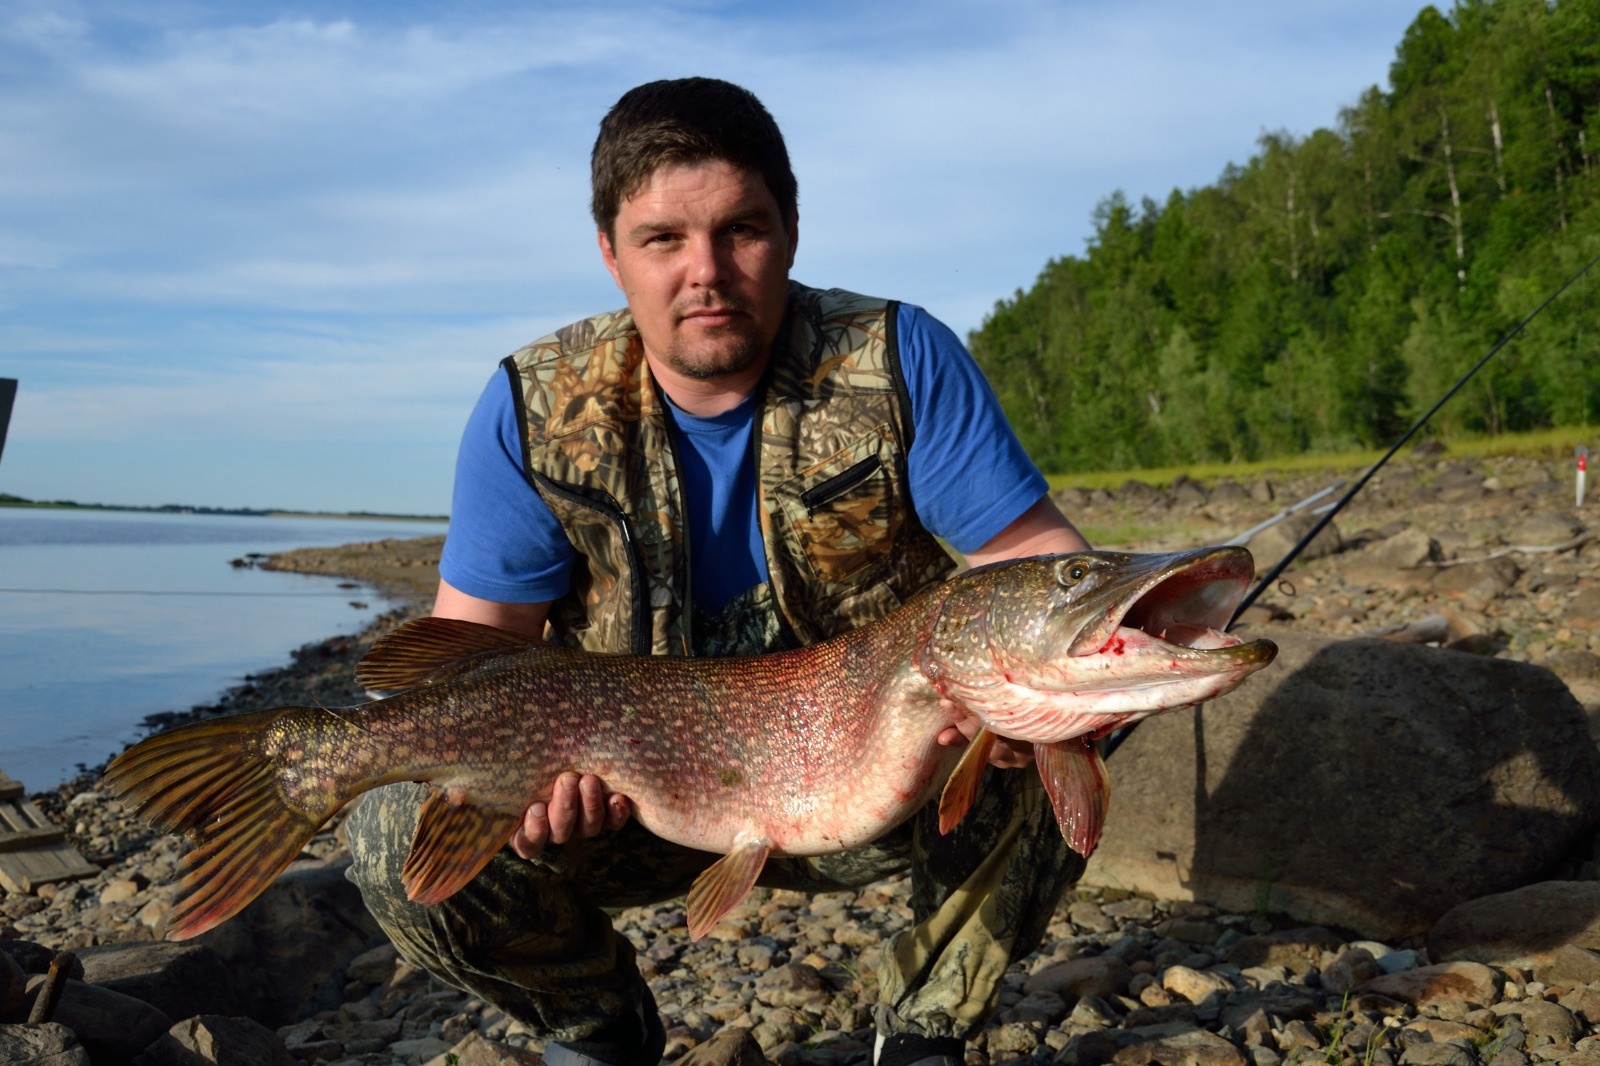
pixel 1093 1012
pixel 181 980
pixel 794 985
pixel 1542 529
pixel 1276 541
pixel 1190 1047
pixel 1200 809
pixel 1524 927
pixel 1094 975
pixel 13 986
pixel 1478 583
pixel 1350 967
pixel 46 1044
pixel 114 1027
pixel 1428 1054
pixel 1408 548
pixel 1470 982
pixel 297 938
pixel 213 1040
pixel 1541 1018
pixel 731 1047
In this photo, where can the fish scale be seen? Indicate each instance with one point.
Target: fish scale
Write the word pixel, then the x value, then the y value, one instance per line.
pixel 803 752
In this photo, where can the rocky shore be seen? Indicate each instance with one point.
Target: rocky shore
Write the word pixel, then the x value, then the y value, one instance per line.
pixel 1488 556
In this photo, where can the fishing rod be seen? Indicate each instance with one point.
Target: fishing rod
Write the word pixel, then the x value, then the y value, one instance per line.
pixel 1116 739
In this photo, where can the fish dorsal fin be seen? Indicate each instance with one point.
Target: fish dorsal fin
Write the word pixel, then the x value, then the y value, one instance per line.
pixel 453 841
pixel 1079 788
pixel 961 789
pixel 725 882
pixel 430 649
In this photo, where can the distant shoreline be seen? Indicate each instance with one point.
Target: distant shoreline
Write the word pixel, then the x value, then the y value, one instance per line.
pixel 239 512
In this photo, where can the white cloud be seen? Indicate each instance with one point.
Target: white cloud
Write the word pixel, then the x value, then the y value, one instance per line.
pixel 336 217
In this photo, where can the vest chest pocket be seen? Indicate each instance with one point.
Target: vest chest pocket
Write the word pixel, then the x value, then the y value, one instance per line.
pixel 844 515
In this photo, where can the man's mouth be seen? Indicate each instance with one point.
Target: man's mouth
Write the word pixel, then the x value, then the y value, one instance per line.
pixel 711 316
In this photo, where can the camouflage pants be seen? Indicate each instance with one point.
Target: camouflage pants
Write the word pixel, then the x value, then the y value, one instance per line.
pixel 532 937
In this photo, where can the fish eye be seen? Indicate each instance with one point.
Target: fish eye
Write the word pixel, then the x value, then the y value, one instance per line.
pixel 1071 571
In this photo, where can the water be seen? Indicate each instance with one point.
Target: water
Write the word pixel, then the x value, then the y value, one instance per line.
pixel 106 617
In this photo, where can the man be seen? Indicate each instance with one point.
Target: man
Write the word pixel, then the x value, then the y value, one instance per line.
pixel 735 464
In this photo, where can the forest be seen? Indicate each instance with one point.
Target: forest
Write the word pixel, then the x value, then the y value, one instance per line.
pixel 1324 294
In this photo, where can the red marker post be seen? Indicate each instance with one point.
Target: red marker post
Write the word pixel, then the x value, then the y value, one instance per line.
pixel 1583 470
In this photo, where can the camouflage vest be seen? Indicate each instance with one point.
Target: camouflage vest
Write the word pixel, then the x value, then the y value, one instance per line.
pixel 843 543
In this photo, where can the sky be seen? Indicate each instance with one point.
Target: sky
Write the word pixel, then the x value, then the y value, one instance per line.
pixel 267 255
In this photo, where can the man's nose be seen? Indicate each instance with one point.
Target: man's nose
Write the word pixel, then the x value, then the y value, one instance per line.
pixel 708 260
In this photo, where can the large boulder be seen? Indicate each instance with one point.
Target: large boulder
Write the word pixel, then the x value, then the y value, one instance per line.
pixel 281 958
pixel 1362 784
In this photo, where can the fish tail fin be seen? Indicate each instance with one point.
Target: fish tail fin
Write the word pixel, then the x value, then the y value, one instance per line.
pixel 210 782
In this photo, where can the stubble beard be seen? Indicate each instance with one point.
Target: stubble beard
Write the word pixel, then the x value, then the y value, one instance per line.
pixel 733 350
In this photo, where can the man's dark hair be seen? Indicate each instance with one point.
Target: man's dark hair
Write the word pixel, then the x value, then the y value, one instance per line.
pixel 685 121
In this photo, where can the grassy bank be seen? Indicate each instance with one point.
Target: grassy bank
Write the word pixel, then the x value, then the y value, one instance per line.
pixel 1552 444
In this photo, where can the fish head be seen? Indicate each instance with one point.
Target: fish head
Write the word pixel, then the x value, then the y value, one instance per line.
pixel 1058 646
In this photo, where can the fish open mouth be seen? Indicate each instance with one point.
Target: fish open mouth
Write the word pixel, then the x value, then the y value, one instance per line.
pixel 1126 636
pixel 1184 600
pixel 1193 606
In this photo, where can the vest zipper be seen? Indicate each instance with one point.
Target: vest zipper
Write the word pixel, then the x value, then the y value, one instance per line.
pixel 686 588
pixel 607 507
pixel 840 483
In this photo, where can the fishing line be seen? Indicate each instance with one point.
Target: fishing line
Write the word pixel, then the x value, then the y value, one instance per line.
pixel 1115 740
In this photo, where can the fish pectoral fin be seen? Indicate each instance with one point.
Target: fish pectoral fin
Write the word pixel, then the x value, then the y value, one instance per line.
pixel 432 649
pixel 452 843
pixel 961 789
pixel 725 882
pixel 1079 788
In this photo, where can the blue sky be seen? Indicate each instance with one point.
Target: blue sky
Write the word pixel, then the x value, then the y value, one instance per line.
pixel 267 255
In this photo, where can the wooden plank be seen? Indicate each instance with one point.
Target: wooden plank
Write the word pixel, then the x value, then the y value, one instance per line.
pixel 33 850
pixel 23 839
pixel 26 871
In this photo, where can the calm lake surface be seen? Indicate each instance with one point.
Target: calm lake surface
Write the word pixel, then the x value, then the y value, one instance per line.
pixel 107 616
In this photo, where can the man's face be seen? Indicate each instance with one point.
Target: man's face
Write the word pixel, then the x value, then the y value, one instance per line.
pixel 702 252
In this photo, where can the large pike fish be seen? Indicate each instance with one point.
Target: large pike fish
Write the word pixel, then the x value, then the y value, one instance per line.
pixel 795 753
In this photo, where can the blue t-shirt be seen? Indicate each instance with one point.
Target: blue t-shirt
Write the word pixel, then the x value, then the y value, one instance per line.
pixel 969 479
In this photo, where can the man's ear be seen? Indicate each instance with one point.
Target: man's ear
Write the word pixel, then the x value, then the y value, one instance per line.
pixel 608 255
pixel 794 236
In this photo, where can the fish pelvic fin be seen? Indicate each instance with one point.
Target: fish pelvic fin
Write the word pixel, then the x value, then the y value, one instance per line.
pixel 961 789
pixel 454 840
pixel 208 782
pixel 432 650
pixel 725 882
pixel 1079 787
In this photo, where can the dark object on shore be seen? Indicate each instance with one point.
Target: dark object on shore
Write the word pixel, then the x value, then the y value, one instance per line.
pixel 8 396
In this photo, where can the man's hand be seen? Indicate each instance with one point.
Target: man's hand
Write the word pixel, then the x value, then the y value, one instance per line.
pixel 1007 754
pixel 579 808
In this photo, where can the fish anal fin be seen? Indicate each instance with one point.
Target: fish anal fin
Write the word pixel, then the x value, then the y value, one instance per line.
pixel 962 786
pixel 452 843
pixel 1079 788
pixel 431 649
pixel 725 882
